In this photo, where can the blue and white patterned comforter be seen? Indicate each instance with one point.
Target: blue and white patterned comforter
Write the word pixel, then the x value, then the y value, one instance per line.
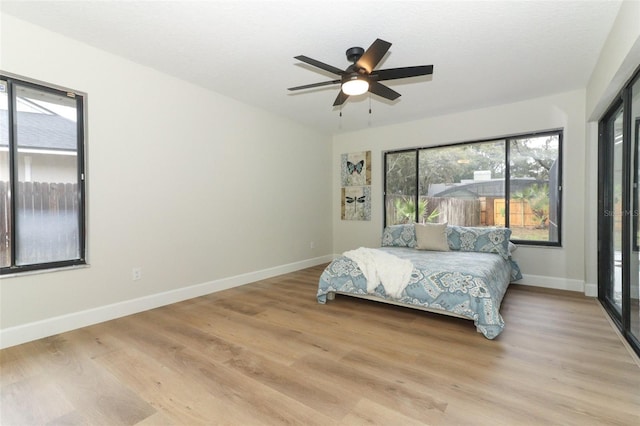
pixel 469 284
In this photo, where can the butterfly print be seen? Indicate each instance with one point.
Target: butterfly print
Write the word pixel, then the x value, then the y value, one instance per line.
pixel 357 167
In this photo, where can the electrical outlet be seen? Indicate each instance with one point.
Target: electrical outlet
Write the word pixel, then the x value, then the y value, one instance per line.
pixel 312 245
pixel 136 274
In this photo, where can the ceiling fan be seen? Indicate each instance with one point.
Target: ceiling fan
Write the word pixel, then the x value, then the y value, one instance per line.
pixel 360 77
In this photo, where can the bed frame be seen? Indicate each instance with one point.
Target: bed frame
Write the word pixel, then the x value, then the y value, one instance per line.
pixel 332 295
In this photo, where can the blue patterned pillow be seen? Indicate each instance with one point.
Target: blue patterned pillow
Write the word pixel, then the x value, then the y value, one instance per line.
pixel 399 236
pixel 484 240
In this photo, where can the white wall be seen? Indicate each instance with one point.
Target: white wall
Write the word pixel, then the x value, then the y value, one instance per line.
pixel 619 58
pixel 553 267
pixel 193 187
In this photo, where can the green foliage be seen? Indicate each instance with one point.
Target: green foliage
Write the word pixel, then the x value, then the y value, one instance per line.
pixel 406 210
pixel 533 157
pixel 528 157
pixel 432 216
pixel 401 173
pixel 538 198
pixel 452 164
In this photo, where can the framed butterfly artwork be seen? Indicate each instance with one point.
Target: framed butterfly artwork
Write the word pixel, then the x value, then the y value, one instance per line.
pixel 356 203
pixel 356 169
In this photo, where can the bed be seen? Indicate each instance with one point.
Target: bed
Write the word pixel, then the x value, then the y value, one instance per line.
pixel 467 277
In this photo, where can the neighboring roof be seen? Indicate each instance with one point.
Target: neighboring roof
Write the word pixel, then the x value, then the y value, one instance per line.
pixel 40 131
pixel 489 188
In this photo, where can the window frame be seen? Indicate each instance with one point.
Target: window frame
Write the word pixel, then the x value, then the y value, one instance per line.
pixel 507 177
pixel 80 99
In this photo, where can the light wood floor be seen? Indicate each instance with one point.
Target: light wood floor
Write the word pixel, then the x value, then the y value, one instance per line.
pixel 267 353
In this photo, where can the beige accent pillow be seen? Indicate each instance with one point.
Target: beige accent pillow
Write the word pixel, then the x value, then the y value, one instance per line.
pixel 432 236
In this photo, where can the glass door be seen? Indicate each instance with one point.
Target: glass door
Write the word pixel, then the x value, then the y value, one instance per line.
pixel 634 258
pixel 611 166
pixel 619 212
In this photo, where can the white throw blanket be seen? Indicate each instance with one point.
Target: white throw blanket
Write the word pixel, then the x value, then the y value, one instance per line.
pixel 380 267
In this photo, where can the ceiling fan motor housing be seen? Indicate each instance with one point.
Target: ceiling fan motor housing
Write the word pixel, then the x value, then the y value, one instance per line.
pixel 354 53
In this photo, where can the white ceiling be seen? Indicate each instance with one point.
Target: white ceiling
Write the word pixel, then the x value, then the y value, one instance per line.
pixel 484 52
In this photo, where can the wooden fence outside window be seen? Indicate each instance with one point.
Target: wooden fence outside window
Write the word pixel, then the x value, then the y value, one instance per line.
pixel 48 223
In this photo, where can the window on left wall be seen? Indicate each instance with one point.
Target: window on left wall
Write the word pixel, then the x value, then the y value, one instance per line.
pixel 42 177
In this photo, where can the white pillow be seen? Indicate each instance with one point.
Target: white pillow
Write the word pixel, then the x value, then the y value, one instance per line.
pixel 432 236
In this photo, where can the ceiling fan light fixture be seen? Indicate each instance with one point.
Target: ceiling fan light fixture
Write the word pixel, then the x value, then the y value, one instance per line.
pixel 362 76
pixel 355 85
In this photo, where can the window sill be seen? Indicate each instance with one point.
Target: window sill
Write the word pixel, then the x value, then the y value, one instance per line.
pixel 42 271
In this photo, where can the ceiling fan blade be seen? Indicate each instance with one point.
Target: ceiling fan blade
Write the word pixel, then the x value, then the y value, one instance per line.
pixel 340 99
pixel 382 90
pixel 309 86
pixel 320 65
pixel 394 73
pixel 373 55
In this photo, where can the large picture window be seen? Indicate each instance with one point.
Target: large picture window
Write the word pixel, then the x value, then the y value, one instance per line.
pixel 41 177
pixel 512 182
